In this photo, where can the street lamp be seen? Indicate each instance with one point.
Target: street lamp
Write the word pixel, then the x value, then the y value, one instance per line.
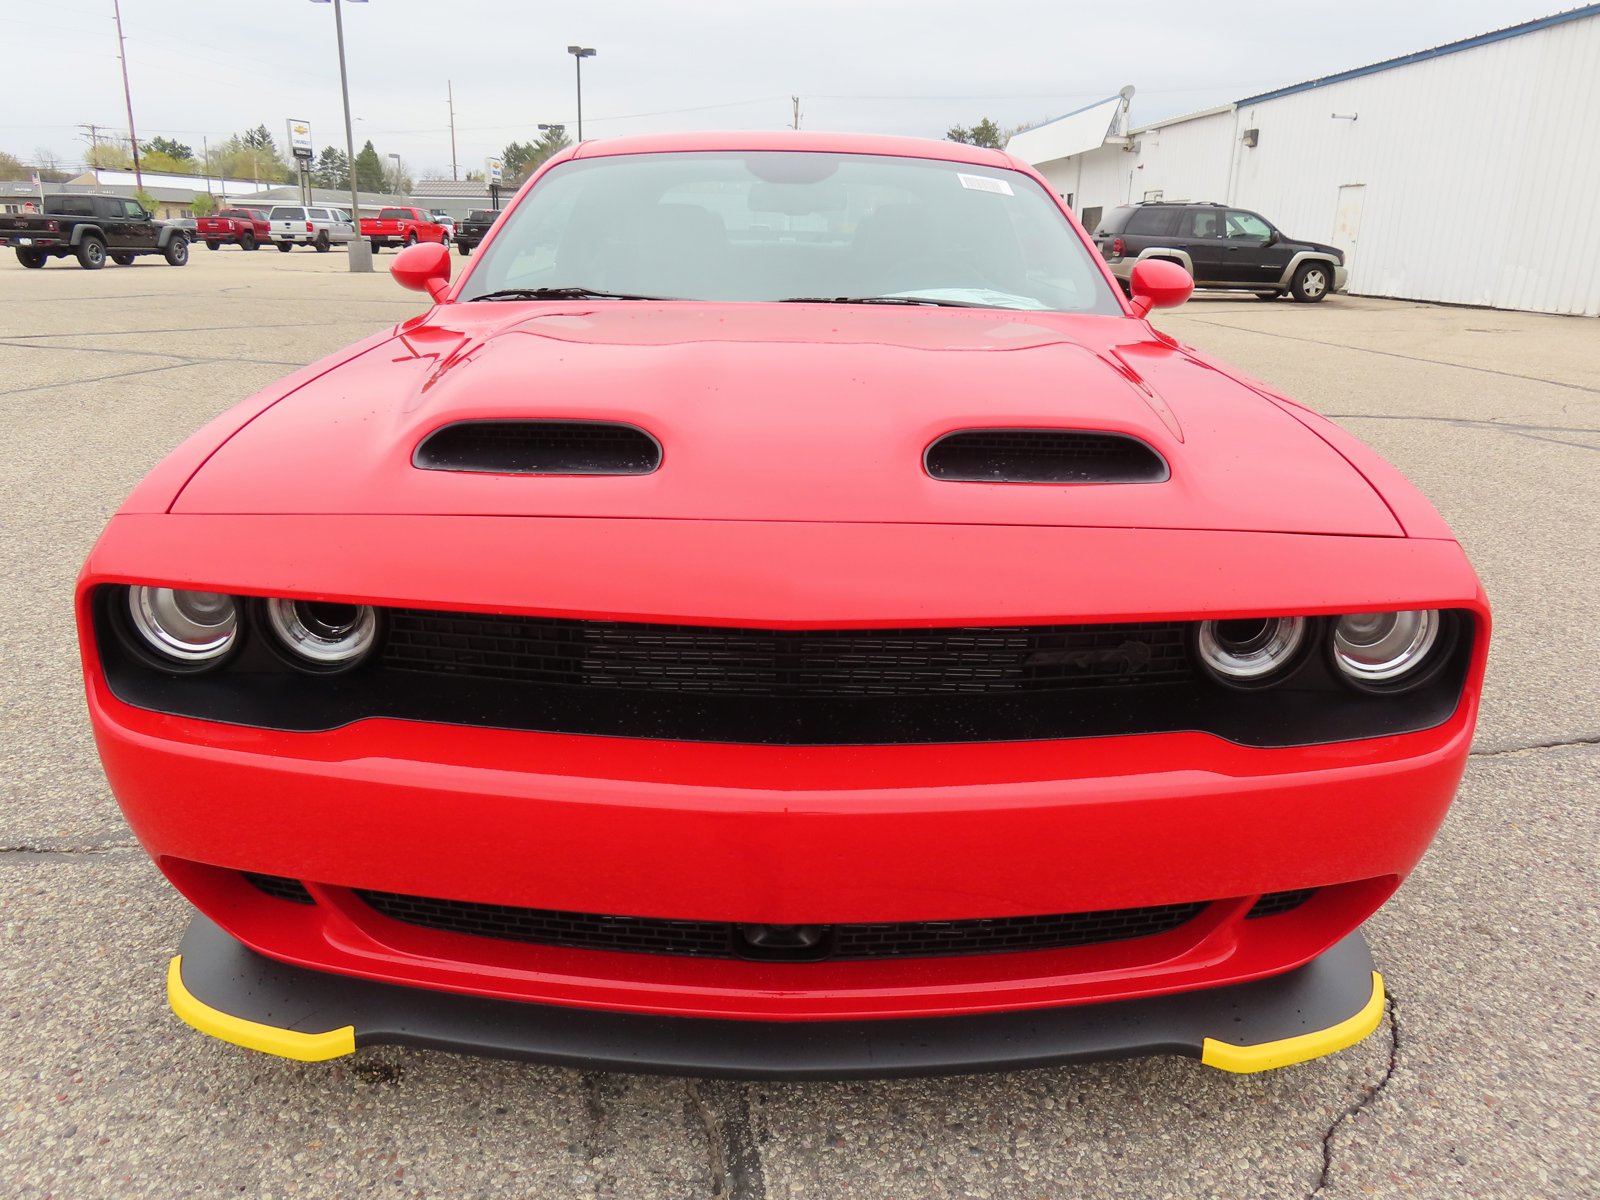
pixel 396 160
pixel 579 53
pixel 360 252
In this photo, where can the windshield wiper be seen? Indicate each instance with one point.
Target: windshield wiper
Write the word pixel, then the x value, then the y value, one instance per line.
pixel 561 293
pixel 930 300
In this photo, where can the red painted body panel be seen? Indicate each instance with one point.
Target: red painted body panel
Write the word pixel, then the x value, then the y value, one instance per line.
pixel 755 424
pixel 791 494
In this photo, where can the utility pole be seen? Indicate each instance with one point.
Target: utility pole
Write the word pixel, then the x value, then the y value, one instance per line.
pixel 94 150
pixel 450 91
pixel 127 95
pixel 796 100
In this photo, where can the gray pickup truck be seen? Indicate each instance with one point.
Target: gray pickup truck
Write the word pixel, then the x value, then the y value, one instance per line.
pixel 91 229
pixel 295 225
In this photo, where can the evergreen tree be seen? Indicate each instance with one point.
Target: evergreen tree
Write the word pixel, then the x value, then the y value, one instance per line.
pixel 332 169
pixel 369 170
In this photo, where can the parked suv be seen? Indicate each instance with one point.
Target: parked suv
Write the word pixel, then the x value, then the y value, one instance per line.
pixel 1222 247
pixel 294 225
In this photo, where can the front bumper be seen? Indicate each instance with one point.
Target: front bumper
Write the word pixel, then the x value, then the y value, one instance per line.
pixel 223 989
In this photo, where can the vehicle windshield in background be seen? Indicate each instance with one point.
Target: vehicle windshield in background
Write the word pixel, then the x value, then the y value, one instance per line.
pixel 772 226
pixel 288 213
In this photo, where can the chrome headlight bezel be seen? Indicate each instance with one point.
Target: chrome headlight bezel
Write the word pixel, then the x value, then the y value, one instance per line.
pixel 321 637
pixel 168 627
pixel 1371 654
pixel 1252 652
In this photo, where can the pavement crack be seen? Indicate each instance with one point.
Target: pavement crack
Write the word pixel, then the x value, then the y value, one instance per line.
pixel 716 1146
pixel 1367 1099
pixel 1511 751
pixel 732 1154
pixel 19 853
pixel 1416 358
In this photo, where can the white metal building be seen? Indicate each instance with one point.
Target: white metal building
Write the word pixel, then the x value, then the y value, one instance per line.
pixel 1465 174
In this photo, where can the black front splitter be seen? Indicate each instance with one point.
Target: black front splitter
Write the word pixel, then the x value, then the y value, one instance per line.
pixel 224 989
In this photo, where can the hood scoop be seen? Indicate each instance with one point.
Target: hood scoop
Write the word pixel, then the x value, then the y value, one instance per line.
pixel 539 447
pixel 1043 456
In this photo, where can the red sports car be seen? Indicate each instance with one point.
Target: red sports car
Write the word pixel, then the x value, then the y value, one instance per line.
pixel 781 612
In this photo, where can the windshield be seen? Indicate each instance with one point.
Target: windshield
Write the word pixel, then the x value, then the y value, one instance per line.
pixel 770 226
pixel 285 213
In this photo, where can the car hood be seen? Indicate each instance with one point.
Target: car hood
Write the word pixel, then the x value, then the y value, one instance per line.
pixel 787 413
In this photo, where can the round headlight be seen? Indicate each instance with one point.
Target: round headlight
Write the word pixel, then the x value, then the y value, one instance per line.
pixel 182 626
pixel 1250 651
pixel 1385 647
pixel 324 636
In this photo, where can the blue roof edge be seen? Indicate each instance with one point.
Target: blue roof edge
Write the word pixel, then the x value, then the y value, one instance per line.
pixel 1471 43
pixel 1086 108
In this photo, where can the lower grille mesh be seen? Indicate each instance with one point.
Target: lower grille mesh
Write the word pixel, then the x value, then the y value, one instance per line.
pixel 787 663
pixel 716 939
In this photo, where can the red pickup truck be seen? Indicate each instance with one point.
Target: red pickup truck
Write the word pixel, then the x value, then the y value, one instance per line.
pixel 245 227
pixel 402 227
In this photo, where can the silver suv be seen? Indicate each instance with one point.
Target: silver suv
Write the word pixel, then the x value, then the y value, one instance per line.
pixel 294 225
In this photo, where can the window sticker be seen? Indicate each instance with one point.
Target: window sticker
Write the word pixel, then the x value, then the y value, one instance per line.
pixel 983 183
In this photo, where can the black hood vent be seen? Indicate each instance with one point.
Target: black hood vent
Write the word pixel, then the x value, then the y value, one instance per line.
pixel 1043 456
pixel 539 447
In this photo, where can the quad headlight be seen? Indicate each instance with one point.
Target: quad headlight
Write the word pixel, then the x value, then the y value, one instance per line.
pixel 322 636
pixel 1253 651
pixel 1384 649
pixel 184 628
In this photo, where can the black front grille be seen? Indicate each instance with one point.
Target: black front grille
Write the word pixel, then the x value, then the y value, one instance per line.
pixel 1043 456
pixel 539 447
pixel 787 663
pixel 1273 903
pixel 715 939
pixel 280 888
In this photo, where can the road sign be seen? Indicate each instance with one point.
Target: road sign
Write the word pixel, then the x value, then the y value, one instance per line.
pixel 494 171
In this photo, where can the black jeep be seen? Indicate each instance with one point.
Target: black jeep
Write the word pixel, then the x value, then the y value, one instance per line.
pixel 1222 247
pixel 92 229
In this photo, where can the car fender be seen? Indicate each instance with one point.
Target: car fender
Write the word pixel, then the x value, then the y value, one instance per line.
pixel 1181 257
pixel 1302 257
pixel 80 231
pixel 168 233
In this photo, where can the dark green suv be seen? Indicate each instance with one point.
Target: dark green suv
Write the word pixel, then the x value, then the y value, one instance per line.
pixel 1222 247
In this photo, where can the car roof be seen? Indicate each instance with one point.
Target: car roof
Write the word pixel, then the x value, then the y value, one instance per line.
pixel 759 139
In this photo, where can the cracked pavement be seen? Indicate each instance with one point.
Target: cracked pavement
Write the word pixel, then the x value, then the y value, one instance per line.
pixel 1481 1082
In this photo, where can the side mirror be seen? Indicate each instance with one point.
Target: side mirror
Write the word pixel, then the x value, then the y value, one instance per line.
pixel 424 267
pixel 1274 238
pixel 1156 283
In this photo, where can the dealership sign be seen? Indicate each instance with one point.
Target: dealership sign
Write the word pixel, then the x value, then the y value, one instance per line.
pixel 300 139
pixel 494 171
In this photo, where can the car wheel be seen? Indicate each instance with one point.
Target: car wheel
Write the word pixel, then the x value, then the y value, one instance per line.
pixel 122 260
pixel 411 238
pixel 247 241
pixel 322 242
pixel 463 249
pixel 1312 282
pixel 30 257
pixel 177 251
pixel 284 247
pixel 444 240
pixel 377 247
pixel 91 253
pixel 212 244
pixel 1268 295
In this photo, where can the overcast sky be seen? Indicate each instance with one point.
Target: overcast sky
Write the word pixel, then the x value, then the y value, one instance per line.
pixel 214 67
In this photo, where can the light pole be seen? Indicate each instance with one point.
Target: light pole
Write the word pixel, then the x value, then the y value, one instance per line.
pixel 395 158
pixel 360 252
pixel 579 53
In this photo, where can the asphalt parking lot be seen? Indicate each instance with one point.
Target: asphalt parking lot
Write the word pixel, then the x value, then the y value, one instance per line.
pixel 1484 1080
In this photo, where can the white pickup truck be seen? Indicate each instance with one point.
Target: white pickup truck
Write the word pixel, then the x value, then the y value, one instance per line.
pixel 294 225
